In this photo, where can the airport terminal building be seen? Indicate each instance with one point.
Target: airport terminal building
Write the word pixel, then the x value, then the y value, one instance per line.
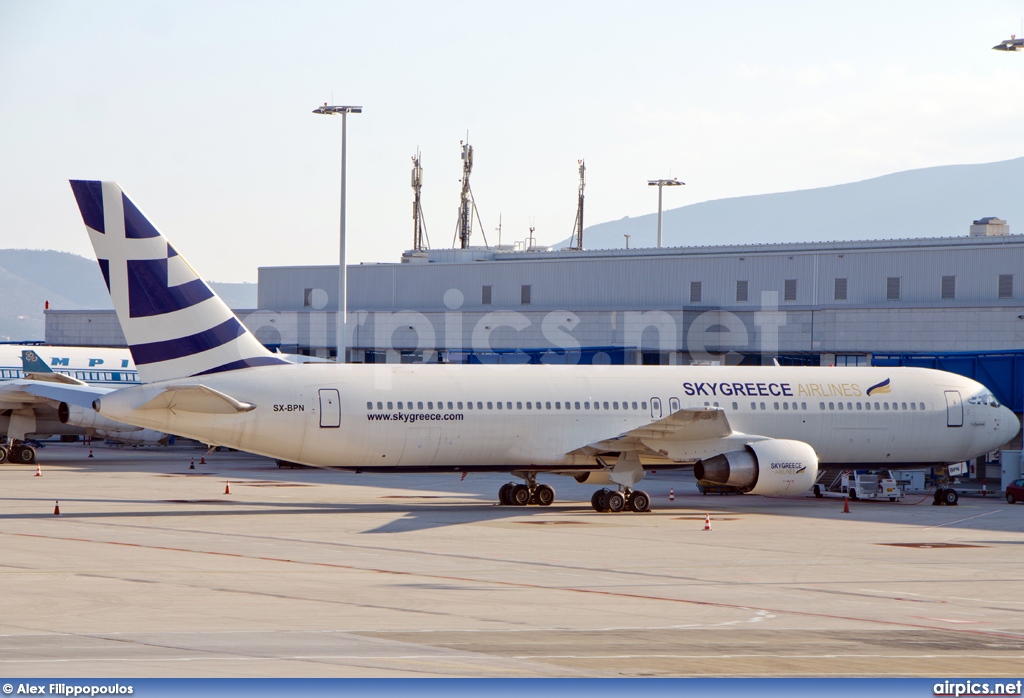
pixel 955 303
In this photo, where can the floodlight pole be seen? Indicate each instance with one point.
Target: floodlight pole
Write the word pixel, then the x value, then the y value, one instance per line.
pixel 662 183
pixel 342 269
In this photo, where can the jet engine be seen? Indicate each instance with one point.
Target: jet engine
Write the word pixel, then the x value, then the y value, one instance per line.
pixel 107 428
pixel 770 467
pixel 90 419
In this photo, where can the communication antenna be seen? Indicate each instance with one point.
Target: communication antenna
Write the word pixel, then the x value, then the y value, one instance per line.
pixel 499 231
pixel 467 204
pixel 577 231
pixel 420 239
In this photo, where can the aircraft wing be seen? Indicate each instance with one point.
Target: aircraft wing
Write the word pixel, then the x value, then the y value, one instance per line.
pixel 54 378
pixel 48 392
pixel 688 424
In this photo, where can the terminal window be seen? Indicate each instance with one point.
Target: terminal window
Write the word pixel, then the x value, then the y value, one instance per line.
pixel 892 288
pixel 789 292
pixel 741 291
pixel 485 295
pixel 695 292
pixel 524 295
pixel 1006 285
pixel 840 290
pixel 948 288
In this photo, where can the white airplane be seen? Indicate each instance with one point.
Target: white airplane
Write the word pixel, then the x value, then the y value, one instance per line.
pixel 29 372
pixel 766 430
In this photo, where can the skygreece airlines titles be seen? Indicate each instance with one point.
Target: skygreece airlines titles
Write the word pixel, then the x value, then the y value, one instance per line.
pixel 717 389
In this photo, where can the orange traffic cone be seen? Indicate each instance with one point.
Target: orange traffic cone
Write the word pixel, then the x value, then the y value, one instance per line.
pixel 39 470
pixel 202 460
pixel 192 464
pixel 671 494
pixel 56 508
pixel 846 505
pixel 227 488
pixel 707 522
pixel 90 453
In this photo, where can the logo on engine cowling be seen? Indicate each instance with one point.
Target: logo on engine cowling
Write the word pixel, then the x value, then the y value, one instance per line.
pixel 793 467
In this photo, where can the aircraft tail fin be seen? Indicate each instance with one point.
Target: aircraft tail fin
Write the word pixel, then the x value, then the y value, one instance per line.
pixel 31 362
pixel 175 325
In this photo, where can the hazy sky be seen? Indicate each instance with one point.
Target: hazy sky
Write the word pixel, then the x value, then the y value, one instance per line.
pixel 201 111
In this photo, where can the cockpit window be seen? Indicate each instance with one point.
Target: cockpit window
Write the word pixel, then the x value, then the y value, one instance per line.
pixel 984 399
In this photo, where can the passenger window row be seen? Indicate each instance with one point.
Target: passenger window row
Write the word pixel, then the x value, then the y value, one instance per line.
pixel 519 405
pixel 875 406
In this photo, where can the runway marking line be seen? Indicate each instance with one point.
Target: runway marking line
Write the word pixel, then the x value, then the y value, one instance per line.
pixel 525 585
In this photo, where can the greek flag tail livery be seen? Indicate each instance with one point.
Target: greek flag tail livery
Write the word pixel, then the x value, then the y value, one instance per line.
pixel 175 325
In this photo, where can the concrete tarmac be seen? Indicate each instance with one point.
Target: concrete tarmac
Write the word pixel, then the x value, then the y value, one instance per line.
pixel 151 570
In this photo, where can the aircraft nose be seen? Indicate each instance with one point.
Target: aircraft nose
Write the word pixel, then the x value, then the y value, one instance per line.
pixel 1009 425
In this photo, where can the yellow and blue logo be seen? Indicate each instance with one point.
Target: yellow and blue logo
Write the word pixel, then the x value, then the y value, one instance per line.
pixel 880 388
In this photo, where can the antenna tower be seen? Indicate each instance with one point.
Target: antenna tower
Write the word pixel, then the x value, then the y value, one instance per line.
pixel 467 204
pixel 577 231
pixel 420 240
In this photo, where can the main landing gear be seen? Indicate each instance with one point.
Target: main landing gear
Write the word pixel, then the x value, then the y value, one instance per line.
pixel 516 494
pixel 17 452
pixel 621 500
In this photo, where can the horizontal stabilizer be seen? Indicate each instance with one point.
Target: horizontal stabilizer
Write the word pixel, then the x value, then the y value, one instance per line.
pixel 196 398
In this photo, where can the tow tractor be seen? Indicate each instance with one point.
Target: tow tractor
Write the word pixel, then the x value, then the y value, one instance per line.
pixel 861 484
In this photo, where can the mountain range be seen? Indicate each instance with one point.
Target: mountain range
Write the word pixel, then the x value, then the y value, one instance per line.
pixel 929 202
pixel 30 278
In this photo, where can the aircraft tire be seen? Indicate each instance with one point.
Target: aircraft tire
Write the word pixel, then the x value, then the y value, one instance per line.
pixel 503 497
pixel 597 499
pixel 614 501
pixel 3 454
pixel 545 495
pixel 817 491
pixel 520 495
pixel 951 498
pixel 640 501
pixel 22 454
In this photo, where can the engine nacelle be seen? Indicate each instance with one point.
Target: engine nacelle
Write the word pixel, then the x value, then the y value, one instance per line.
pixel 770 467
pixel 90 419
pixel 107 428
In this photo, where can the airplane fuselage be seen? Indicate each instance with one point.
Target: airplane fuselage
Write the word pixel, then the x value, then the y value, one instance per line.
pixel 379 416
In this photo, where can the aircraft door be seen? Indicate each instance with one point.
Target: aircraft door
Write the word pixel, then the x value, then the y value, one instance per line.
pixel 656 407
pixel 954 409
pixel 673 405
pixel 330 408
